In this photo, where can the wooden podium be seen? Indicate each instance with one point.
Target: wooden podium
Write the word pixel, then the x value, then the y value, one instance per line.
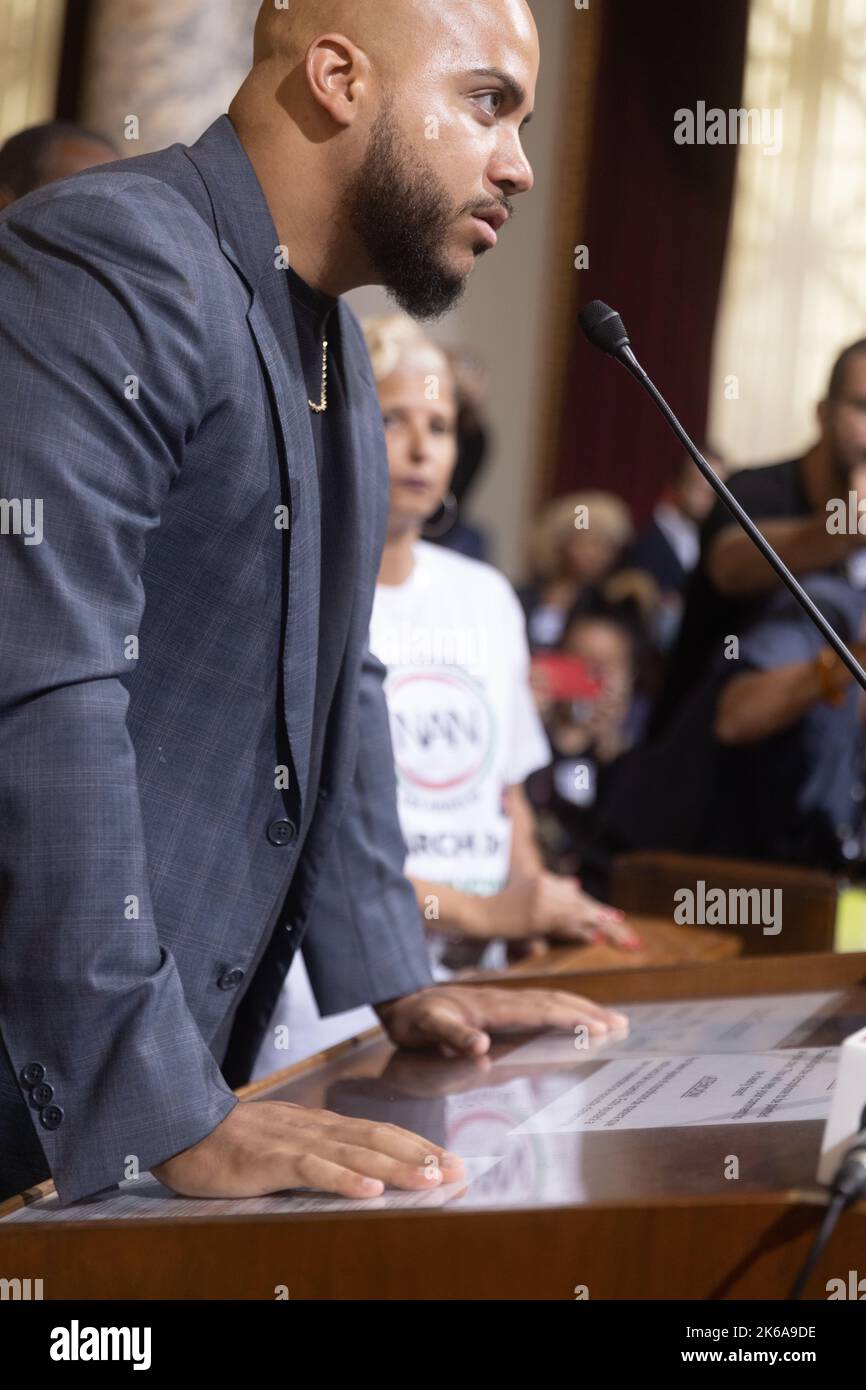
pixel 662 943
pixel 641 1214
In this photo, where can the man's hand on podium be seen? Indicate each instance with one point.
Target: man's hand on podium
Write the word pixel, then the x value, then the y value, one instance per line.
pixel 269 1146
pixel 460 1019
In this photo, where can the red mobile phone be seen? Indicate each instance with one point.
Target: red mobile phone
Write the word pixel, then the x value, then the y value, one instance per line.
pixel 565 677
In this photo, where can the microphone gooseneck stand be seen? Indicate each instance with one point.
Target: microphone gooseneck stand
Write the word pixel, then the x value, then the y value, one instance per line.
pixel 605 330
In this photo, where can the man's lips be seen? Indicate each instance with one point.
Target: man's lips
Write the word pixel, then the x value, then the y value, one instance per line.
pixel 490 223
pixel 486 231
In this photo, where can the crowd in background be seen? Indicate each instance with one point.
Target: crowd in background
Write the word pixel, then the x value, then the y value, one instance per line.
pixel 689 702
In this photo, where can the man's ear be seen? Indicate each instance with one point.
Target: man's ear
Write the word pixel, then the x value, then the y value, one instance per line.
pixel 822 411
pixel 6 196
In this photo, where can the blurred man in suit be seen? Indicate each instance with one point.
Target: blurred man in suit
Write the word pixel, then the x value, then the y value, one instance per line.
pixel 669 547
pixel 191 722
pixel 668 550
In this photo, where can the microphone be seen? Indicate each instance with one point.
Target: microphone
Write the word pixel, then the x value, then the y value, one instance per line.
pixel 605 329
pixel 847 1186
pixel 849 1180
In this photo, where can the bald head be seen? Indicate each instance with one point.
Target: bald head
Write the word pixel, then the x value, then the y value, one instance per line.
pixel 381 29
pixel 393 33
pixel 355 109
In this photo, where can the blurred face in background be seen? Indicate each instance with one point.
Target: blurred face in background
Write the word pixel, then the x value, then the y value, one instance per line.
pixel 604 649
pixel 589 555
pixel 843 420
pixel 693 494
pixel 72 155
pixel 66 155
pixel 421 437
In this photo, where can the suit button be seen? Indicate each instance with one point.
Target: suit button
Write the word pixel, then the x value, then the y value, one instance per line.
pixel 33 1073
pixel 282 833
pixel 51 1117
pixel 231 979
pixel 41 1095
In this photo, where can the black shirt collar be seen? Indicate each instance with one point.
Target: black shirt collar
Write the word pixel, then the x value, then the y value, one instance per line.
pixel 317 304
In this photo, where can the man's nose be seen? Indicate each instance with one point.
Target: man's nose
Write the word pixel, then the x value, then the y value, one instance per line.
pixel 512 171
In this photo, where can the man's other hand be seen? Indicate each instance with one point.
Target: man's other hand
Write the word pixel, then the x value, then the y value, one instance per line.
pixel 461 1019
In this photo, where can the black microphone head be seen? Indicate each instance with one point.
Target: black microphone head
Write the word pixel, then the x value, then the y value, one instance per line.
pixel 603 327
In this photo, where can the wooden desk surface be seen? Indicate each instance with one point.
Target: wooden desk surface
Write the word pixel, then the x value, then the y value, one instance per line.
pixel 663 943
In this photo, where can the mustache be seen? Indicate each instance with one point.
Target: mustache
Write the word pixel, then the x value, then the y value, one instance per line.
pixel 484 209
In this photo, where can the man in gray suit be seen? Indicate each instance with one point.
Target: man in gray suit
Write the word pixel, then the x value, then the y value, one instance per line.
pixel 193 737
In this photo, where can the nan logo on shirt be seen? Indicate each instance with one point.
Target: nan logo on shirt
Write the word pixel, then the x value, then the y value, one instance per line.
pixel 444 733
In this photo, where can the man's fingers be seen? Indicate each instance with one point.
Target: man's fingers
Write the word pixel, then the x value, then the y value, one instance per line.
pixel 322 1174
pixel 390 1141
pixel 531 1008
pixel 359 1158
pixel 462 1018
pixel 570 1009
pixel 401 1145
pixel 267 1146
pixel 445 1022
pixel 573 1008
pixel 372 1163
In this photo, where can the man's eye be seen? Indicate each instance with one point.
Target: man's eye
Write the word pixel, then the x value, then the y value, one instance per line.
pixel 492 96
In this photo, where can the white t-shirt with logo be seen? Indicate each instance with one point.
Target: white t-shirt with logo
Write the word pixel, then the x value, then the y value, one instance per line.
pixel 464 728
pixel 463 722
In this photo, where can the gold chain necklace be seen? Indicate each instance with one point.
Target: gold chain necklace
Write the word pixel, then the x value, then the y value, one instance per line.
pixel 323 404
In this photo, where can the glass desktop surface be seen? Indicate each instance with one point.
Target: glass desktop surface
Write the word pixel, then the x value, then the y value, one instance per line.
pixel 494 1115
pixel 517 1117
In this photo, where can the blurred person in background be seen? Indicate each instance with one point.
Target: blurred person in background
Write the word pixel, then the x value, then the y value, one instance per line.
pixel 449 527
pixel 465 729
pixel 42 154
pixel 764 759
pixel 789 504
pixel 668 549
pixel 466 734
pixel 637 595
pixel 576 544
pixel 591 731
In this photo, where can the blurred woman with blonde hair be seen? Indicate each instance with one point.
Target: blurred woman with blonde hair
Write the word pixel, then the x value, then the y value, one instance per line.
pixel 465 731
pixel 574 547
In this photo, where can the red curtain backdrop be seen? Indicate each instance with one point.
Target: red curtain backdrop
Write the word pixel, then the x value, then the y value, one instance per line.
pixel 656 225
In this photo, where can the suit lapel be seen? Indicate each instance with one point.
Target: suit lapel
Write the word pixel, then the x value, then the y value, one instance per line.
pixel 248 239
pixel 368 464
pixel 282 363
pixel 363 509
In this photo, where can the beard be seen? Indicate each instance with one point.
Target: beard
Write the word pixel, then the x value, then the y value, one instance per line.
pixel 402 214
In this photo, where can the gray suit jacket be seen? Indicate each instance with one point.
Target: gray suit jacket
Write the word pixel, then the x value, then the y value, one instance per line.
pixel 158 667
